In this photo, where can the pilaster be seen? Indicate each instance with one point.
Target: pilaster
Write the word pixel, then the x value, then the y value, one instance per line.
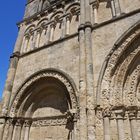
pixel 106 120
pixel 120 123
pixel 133 123
pixel 9 82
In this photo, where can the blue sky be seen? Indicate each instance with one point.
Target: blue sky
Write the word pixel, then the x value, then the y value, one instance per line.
pixel 11 12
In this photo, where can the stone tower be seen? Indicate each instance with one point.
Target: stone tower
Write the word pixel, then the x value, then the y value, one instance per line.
pixel 75 72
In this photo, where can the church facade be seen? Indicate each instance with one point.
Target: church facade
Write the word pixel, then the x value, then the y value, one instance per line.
pixel 75 72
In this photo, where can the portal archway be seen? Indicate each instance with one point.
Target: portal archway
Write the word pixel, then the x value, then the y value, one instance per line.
pixel 118 94
pixel 45 107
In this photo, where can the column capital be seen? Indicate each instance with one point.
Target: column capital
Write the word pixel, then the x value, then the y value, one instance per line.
pixel 106 112
pixel 81 27
pixel 11 121
pixel 27 123
pixel 119 113
pixel 132 114
pixel 88 24
pixel 18 122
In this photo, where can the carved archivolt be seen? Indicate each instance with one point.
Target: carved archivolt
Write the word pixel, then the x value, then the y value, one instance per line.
pixel 44 74
pixel 119 82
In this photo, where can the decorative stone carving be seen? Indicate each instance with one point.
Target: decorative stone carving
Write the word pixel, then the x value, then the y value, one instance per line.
pixel 50 122
pixel 114 76
pixel 106 112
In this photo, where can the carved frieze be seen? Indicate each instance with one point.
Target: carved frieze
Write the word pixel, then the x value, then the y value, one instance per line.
pixel 50 122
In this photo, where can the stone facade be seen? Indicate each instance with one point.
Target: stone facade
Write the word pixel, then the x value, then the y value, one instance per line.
pixel 75 72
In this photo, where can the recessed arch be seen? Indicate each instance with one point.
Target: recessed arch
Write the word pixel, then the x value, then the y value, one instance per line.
pixel 75 5
pixel 30 28
pixel 25 91
pixel 57 14
pixel 42 21
pixel 116 70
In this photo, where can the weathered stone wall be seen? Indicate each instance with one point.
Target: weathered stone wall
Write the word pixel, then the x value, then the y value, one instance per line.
pixel 128 6
pixel 31 8
pixel 63 56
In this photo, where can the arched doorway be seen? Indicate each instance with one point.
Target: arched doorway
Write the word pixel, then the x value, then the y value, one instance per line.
pixel 118 94
pixel 45 108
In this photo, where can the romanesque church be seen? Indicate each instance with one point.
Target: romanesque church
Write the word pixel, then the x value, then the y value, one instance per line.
pixel 75 72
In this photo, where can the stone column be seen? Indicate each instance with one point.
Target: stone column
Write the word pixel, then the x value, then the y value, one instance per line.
pixel 113 8
pixel 31 42
pixel 67 25
pixel 40 5
pixel 120 123
pixel 48 34
pixel 82 84
pixel 52 32
pixel 25 47
pixel 11 129
pixel 82 75
pixel 29 47
pixel 43 37
pixel 27 129
pixel 17 130
pixel 6 128
pixel 106 128
pixel 89 73
pixel 23 132
pixel 106 115
pixel 94 12
pixel 23 44
pixel 34 39
pixel 38 39
pixel 2 125
pixel 133 124
pixel 63 27
pixel 89 78
pixel 117 7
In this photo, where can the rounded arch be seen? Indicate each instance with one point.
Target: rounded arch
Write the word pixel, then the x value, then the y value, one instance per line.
pixel 58 80
pixel 119 76
pixel 30 28
pixel 74 6
pixel 57 14
pixel 42 22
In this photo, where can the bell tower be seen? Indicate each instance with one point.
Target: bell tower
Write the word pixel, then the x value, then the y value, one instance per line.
pixel 74 73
